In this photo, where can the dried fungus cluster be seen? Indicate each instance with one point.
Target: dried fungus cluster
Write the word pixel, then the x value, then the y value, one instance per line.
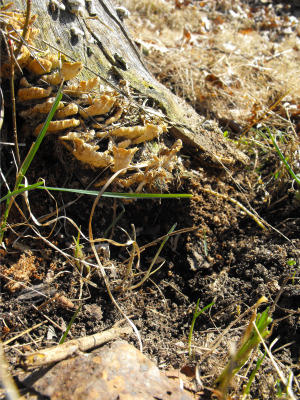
pixel 100 127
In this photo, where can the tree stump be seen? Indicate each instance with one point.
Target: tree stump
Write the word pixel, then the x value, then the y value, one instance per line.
pixel 92 32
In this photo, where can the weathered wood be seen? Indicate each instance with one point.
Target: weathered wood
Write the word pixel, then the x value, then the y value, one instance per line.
pixel 107 49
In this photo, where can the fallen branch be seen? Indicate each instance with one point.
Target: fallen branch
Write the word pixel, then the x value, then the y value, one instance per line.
pixel 71 348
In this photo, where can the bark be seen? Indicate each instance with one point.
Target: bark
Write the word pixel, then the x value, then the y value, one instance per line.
pixel 114 56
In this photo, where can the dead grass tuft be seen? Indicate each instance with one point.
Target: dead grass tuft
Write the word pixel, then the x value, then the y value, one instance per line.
pixel 222 59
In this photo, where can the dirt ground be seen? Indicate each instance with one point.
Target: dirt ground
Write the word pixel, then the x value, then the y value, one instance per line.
pixel 241 264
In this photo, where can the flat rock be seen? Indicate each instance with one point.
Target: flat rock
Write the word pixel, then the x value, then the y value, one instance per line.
pixel 114 371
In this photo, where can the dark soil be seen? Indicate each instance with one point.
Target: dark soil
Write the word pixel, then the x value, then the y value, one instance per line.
pixel 243 263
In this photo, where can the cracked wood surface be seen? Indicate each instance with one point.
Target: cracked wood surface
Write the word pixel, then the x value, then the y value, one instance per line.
pixel 107 50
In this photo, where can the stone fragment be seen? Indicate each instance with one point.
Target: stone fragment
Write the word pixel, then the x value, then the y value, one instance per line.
pixel 115 371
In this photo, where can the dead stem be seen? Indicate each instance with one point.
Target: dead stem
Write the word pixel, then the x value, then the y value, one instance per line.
pixel 23 333
pixel 92 242
pixel 13 101
pixel 237 203
pixel 25 28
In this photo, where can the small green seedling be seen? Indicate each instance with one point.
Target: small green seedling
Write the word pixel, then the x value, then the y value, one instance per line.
pixel 254 372
pixel 195 316
pixel 250 341
pixel 79 255
pixel 64 336
pixel 295 177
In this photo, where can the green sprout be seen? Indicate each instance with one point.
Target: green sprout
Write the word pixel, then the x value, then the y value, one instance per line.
pixel 252 376
pixel 79 255
pixel 250 341
pixel 195 316
pixel 69 326
pixel 296 177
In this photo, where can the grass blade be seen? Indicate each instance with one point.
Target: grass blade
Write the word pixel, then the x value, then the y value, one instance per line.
pixel 195 316
pixel 120 195
pixel 69 326
pixel 286 164
pixel 252 376
pixel 39 139
pixel 22 190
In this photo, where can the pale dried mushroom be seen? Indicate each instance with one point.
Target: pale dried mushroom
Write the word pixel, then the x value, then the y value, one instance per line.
pixel 101 106
pixel 33 93
pixel 82 87
pixel 56 126
pixel 24 82
pixel 167 160
pixel 124 144
pixel 139 134
pixel 42 108
pixel 115 117
pixel 23 57
pixel 54 60
pixel 88 154
pixel 70 70
pixel 32 34
pixel 87 136
pixel 39 66
pixel 70 109
pixel 53 79
pixel 122 158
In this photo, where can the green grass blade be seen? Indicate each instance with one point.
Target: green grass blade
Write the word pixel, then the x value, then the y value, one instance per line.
pixel 22 189
pixel 120 195
pixel 3 224
pixel 195 316
pixel 204 309
pixel 69 326
pixel 258 364
pixel 286 164
pixel 39 139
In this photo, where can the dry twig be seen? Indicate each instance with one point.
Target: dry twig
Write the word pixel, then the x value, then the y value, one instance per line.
pixel 71 348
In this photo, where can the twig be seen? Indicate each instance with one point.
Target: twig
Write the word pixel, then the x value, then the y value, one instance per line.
pixel 70 348
pixel 23 333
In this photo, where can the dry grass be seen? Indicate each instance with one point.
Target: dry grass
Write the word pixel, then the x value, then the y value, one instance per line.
pixel 232 63
pixel 207 55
